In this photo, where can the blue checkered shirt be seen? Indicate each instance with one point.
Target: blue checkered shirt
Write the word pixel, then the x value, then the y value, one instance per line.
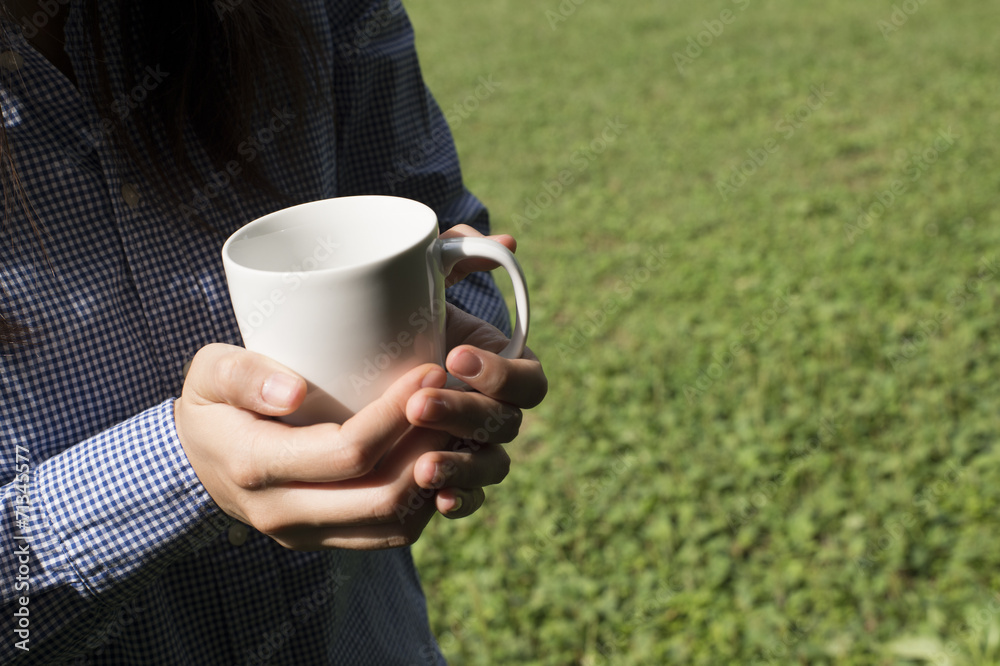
pixel 113 552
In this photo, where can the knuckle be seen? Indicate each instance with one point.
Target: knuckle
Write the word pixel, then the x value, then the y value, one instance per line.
pixel 536 396
pixel 411 533
pixel 497 379
pixel 228 369
pixel 381 506
pixel 208 351
pixel 503 465
pixel 207 356
pixel 514 424
pixel 355 461
pixel 247 478
pixel 245 471
pixel 198 370
pixel 448 471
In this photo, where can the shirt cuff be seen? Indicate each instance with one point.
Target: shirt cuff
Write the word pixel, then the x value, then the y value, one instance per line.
pixel 125 504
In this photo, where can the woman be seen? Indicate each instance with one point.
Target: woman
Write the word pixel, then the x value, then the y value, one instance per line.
pixel 143 528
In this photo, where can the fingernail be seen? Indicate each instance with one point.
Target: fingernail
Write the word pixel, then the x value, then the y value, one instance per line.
pixel 434 379
pixel 457 507
pixel 439 477
pixel 466 364
pixel 442 472
pixel 434 409
pixel 278 390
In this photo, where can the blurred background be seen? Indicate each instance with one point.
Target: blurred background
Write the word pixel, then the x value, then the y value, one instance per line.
pixel 762 238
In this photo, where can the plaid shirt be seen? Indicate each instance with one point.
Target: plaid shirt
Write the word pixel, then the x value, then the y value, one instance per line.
pixel 112 551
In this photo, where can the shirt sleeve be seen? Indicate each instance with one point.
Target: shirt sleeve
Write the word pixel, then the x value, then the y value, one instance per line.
pixel 89 528
pixel 392 137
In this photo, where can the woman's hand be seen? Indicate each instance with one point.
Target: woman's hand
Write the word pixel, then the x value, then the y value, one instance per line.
pixel 418 447
pixel 313 487
pixel 482 419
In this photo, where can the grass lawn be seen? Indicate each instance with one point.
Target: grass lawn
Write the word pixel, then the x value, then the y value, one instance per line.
pixel 762 240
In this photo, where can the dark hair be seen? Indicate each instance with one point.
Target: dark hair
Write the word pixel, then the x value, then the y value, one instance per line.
pixel 221 57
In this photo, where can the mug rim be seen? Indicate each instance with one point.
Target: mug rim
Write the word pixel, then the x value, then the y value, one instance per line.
pixel 245 232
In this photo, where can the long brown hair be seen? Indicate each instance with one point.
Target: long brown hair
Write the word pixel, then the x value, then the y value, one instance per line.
pixel 222 57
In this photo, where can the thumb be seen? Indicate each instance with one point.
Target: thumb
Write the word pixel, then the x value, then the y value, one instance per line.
pixel 385 418
pixel 245 379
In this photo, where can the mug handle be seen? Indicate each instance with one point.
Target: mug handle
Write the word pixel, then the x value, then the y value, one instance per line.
pixel 454 249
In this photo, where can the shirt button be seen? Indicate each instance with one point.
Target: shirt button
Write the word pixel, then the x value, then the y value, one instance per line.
pixel 131 195
pixel 11 60
pixel 238 534
pixel 186 368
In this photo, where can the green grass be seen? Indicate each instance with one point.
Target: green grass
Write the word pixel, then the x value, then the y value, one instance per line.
pixel 827 494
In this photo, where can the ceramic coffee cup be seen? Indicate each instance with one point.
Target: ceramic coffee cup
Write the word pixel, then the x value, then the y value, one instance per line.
pixel 349 293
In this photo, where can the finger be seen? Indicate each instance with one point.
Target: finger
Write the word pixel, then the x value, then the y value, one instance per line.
pixel 474 359
pixel 385 496
pixel 391 534
pixel 333 453
pixel 520 382
pixel 474 467
pixel 326 505
pixel 383 509
pixel 378 537
pixel 454 503
pixel 466 329
pixel 465 414
pixel 241 378
pixel 474 264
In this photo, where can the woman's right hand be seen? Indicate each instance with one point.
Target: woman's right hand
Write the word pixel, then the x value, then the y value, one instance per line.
pixel 279 478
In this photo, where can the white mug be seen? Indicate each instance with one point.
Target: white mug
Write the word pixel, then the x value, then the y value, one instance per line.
pixel 349 293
